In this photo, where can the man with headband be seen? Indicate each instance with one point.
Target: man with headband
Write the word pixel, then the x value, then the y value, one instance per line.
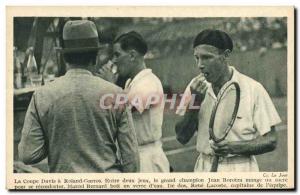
pixel 254 129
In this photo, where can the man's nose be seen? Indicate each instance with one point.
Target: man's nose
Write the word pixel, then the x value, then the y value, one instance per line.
pixel 114 60
pixel 200 65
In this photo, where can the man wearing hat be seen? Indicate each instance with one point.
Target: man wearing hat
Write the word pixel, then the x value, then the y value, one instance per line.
pixel 64 121
pixel 254 129
pixel 128 56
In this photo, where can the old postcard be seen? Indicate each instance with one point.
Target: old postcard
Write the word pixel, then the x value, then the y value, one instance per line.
pixel 150 98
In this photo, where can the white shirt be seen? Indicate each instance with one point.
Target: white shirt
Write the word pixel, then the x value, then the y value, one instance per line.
pixel 147 119
pixel 255 116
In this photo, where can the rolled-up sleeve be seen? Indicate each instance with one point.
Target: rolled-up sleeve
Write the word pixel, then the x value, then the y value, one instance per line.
pixel 128 142
pixel 265 114
pixel 32 147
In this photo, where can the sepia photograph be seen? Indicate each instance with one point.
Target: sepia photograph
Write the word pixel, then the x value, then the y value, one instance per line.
pixel 209 97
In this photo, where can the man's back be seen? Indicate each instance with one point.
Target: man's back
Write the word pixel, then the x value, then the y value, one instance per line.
pixel 81 136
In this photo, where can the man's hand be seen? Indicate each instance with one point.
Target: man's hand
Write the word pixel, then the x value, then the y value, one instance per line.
pixel 224 148
pixel 260 145
pixel 199 86
pixel 108 73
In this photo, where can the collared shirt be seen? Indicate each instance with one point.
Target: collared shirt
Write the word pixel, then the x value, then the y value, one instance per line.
pixel 65 122
pixel 147 120
pixel 255 116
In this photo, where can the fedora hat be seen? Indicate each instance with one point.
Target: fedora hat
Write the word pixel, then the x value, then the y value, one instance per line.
pixel 80 36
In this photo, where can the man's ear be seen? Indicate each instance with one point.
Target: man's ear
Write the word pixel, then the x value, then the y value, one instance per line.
pixel 133 54
pixel 227 52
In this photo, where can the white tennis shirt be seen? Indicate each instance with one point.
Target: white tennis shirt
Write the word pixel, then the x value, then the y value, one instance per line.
pixel 255 116
pixel 147 120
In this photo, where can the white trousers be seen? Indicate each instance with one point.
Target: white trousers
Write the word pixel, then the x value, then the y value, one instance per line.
pixel 228 164
pixel 153 158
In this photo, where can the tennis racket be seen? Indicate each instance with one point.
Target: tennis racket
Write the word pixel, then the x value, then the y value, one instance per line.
pixel 223 116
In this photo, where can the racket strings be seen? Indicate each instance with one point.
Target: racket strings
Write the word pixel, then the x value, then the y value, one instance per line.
pixel 223 116
pixel 224 112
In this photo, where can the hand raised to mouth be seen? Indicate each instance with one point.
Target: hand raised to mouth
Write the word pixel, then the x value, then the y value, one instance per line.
pixel 108 72
pixel 199 86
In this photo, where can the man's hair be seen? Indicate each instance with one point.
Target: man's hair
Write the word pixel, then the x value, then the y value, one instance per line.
pixel 81 59
pixel 132 40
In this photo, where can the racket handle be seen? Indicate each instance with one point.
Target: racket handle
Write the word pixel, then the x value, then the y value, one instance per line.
pixel 215 163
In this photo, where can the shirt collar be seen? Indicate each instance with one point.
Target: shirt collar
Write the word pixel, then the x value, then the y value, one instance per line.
pixel 234 78
pixel 140 75
pixel 78 71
